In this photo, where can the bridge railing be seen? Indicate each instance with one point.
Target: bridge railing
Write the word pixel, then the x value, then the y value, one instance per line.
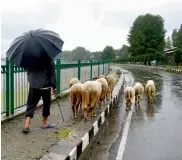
pixel 15 87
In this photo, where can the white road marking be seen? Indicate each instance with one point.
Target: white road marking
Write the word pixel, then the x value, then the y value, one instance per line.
pixel 125 132
pixel 124 136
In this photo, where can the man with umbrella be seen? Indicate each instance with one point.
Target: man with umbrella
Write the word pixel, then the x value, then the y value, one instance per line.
pixel 35 51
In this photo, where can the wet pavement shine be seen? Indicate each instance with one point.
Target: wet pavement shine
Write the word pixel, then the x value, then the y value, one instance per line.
pixel 155 131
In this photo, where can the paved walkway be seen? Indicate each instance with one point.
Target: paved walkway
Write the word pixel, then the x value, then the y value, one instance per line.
pixel 18 146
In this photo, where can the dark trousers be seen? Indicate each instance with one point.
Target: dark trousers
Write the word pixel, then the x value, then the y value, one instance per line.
pixel 33 99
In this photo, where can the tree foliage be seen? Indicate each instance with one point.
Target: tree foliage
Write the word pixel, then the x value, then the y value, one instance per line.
pixel 108 53
pixel 146 36
pixel 178 56
pixel 168 43
pixel 123 52
pixel 159 57
pixel 79 53
pixel 177 37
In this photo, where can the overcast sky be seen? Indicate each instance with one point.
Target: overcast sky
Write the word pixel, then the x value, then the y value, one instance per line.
pixel 92 24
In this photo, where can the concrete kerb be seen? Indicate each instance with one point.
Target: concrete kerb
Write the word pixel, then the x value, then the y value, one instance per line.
pixel 76 151
pixel 22 110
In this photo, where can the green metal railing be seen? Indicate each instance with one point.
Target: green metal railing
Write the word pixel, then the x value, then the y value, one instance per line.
pixel 14 83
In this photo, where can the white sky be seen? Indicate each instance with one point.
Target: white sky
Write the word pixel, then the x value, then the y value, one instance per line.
pixel 92 24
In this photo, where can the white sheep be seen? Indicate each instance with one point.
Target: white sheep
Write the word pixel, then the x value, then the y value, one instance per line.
pixel 76 98
pixel 139 91
pixel 91 93
pixel 73 81
pixel 129 94
pixel 104 89
pixel 150 89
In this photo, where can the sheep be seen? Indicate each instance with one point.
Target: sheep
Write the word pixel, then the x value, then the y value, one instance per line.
pixel 139 91
pixel 91 93
pixel 73 81
pixel 104 89
pixel 129 94
pixel 76 98
pixel 111 83
pixel 150 89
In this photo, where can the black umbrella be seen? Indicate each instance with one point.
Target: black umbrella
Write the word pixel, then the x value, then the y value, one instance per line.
pixel 34 47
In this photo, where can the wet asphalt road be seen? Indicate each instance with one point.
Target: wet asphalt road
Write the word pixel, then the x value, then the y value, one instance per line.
pixel 155 131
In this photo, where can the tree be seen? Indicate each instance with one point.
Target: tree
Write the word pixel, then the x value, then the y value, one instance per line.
pixel 147 32
pixel 97 55
pixel 159 57
pixel 177 37
pixel 168 42
pixel 178 56
pixel 108 53
pixel 123 52
pixel 80 53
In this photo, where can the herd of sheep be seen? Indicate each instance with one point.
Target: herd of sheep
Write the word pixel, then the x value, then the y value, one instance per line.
pixel 90 93
pixel 96 91
pixel 137 91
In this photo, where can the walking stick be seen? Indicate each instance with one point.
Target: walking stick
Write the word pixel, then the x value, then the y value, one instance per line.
pixel 59 107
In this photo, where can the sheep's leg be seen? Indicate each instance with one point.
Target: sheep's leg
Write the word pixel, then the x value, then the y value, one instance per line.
pixel 76 110
pixel 107 95
pixel 91 112
pixel 85 113
pixel 86 101
pixel 135 98
pixel 93 105
pixel 73 109
pixel 80 106
pixel 138 101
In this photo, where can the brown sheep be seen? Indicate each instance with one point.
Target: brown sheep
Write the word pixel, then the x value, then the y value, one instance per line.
pixel 104 89
pixel 76 98
pixel 73 81
pixel 111 83
pixel 129 94
pixel 139 91
pixel 150 89
pixel 91 93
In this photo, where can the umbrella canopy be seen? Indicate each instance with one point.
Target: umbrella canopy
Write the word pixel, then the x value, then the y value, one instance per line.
pixel 34 47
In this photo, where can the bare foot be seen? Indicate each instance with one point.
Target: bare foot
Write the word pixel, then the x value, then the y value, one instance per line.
pixel 27 123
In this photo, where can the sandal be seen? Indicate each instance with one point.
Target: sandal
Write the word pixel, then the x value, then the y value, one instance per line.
pixel 48 126
pixel 26 130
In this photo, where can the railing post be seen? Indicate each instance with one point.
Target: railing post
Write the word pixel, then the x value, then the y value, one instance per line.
pixel 90 69
pixel 58 75
pixel 11 82
pixel 79 70
pixel 7 87
pixel 103 66
pixel 98 68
